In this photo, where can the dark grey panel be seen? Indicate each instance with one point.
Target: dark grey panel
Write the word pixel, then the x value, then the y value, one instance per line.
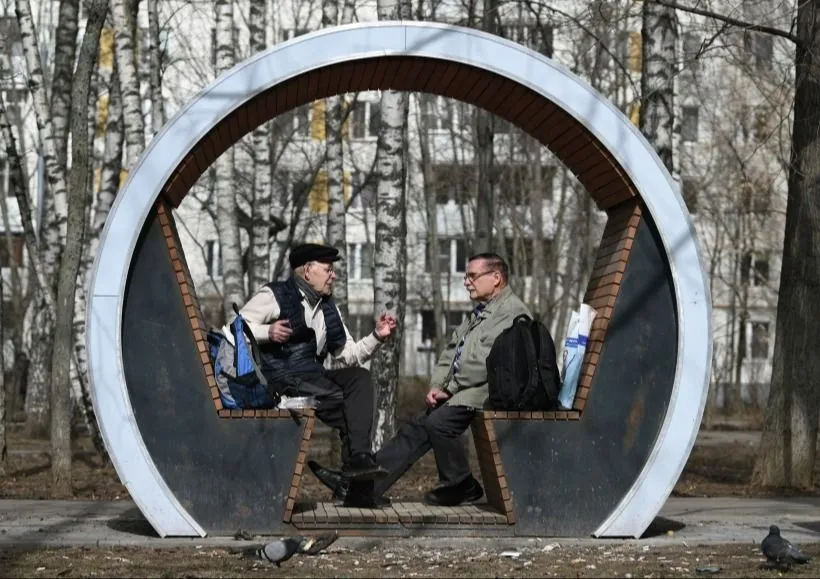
pixel 229 474
pixel 567 477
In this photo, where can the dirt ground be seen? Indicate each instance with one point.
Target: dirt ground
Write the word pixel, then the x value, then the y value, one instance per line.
pixel 550 560
pixel 719 466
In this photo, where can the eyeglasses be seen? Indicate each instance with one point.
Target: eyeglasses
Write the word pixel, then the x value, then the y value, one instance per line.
pixel 474 276
pixel 329 269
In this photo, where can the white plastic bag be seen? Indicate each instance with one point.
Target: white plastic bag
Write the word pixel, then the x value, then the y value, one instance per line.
pixel 575 346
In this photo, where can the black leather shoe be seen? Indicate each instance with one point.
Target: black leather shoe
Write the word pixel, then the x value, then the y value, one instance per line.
pixel 332 479
pixel 362 466
pixel 467 491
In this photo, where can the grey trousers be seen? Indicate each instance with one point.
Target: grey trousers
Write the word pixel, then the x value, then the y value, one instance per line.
pixel 439 429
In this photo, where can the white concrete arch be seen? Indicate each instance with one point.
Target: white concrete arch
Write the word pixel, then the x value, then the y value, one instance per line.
pixel 439 42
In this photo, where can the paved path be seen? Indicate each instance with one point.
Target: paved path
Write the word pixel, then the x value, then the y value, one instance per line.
pixel 690 521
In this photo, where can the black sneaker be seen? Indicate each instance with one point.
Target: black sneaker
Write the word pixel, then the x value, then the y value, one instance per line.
pixel 363 466
pixel 467 491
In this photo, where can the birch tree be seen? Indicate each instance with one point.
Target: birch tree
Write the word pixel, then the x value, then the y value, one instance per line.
pixel 262 205
pixel 155 74
pixel 70 263
pixel 390 280
pixel 659 33
pixel 226 219
pixel 123 13
pixel 37 402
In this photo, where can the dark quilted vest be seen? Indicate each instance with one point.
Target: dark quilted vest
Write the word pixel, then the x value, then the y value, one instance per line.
pixel 298 355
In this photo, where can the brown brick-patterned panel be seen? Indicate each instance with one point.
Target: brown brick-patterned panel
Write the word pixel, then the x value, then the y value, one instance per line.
pixel 579 149
pixel 326 515
pixel 301 458
pixel 492 470
pixel 186 287
pixel 604 285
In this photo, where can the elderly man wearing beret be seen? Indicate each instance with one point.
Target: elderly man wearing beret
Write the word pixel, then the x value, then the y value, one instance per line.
pixel 298 325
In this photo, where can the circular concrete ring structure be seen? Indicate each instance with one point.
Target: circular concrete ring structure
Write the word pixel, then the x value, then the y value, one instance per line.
pixel 609 156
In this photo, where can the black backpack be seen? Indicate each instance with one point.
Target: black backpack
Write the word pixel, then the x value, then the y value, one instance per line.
pixel 522 369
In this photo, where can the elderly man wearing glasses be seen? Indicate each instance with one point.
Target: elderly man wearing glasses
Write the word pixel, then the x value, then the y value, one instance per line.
pixel 298 326
pixel 458 387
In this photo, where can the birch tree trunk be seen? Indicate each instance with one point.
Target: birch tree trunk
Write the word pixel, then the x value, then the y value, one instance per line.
pixel 70 263
pixel 390 279
pixel 37 401
pixel 336 231
pixel 788 446
pixel 261 207
pixel 125 41
pixel 3 444
pixel 485 203
pixel 65 52
pixel 659 33
pixel 226 219
pixel 155 75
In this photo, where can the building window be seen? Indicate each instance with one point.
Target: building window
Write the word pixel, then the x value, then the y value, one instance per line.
pixel 295 122
pixel 441 114
pixel 360 261
pixel 755 196
pixel 360 325
pixel 689 124
pixel 454 182
pixel 519 255
pixel 364 120
pixel 759 49
pixel 760 340
pixel 213 258
pixel 452 320
pixel 689 189
pixel 754 269
pixel 692 44
pixel 10 40
pixel 11 255
pixel 515 182
pixel 452 256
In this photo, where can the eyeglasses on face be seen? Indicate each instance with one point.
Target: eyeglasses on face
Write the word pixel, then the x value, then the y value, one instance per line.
pixel 327 268
pixel 475 276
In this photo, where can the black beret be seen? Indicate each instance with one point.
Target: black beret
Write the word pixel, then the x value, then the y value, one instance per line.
pixel 301 254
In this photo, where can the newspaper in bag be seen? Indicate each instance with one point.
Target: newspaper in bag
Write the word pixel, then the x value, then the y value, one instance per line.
pixel 575 346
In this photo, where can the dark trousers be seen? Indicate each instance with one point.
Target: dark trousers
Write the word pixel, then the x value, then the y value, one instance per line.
pixel 439 429
pixel 345 402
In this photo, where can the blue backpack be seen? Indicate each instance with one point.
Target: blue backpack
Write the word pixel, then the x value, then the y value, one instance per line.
pixel 237 368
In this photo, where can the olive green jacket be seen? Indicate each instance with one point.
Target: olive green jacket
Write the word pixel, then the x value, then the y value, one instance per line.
pixel 469 385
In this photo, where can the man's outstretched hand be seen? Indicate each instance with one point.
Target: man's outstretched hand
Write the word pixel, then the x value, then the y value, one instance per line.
pixel 385 326
pixel 435 396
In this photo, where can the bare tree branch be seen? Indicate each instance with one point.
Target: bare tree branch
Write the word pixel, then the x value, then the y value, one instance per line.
pixel 728 20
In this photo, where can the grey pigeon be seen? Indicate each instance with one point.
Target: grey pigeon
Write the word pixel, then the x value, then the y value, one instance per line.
pixel 282 549
pixel 779 551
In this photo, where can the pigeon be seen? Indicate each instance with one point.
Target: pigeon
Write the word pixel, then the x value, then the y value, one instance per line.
pixel 280 550
pixel 284 548
pixel 780 552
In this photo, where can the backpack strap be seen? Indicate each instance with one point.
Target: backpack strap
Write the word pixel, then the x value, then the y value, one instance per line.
pixel 254 346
